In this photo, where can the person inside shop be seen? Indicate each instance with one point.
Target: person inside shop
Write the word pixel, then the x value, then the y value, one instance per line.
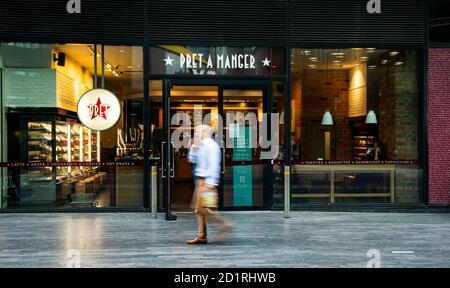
pixel 207 159
pixel 375 152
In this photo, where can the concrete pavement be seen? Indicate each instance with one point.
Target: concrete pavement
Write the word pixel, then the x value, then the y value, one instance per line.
pixel 260 239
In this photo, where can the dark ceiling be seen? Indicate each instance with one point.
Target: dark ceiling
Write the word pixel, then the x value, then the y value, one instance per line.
pixel 440 21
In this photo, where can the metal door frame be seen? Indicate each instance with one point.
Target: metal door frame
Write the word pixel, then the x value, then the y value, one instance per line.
pixel 167 162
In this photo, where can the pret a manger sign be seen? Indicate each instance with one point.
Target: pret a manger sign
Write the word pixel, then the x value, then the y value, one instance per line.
pixel 222 61
pixel 216 60
pixel 99 109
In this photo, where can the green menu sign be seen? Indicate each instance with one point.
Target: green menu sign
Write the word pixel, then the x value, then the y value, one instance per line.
pixel 242 175
pixel 242 186
pixel 242 150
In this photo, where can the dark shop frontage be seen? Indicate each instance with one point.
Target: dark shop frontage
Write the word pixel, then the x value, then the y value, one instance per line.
pixel 326 100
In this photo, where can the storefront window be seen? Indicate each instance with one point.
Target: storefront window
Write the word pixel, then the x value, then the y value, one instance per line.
pixel 53 160
pixel 355 126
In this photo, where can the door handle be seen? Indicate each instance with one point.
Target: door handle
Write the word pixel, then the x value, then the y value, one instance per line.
pixel 223 158
pixel 163 174
pixel 172 153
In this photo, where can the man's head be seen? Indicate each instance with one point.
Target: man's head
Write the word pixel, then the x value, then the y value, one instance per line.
pixel 203 132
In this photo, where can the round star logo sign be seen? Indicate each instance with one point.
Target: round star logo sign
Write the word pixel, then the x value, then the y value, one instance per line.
pixel 99 109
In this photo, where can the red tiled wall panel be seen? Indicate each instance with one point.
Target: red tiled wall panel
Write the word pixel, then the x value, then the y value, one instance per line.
pixel 439 126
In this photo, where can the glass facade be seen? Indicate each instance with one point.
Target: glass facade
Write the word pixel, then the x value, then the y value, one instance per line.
pixel 53 160
pixel 353 125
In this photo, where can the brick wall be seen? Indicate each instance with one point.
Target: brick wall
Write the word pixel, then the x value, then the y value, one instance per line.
pixel 323 91
pixel 297 107
pixel 398 123
pixel 398 108
pixel 439 126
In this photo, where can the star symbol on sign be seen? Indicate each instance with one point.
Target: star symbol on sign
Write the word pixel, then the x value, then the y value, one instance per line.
pixel 99 110
pixel 266 62
pixel 168 60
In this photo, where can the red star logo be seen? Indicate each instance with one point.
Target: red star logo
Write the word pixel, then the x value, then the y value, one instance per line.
pixel 99 110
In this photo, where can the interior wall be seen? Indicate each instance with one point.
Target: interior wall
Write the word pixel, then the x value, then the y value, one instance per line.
pixel 326 90
pixel 398 109
pixel 398 123
pixel 297 106
pixel 72 81
pixel 358 91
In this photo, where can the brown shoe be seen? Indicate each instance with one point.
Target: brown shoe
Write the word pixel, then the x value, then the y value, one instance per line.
pixel 197 241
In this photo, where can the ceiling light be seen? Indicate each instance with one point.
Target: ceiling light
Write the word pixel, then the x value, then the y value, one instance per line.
pixel 371 117
pixel 312 66
pixel 398 63
pixel 313 58
pixel 337 61
pixel 372 66
pixel 384 61
pixel 327 119
pixel 122 51
pixel 338 53
pixel 364 57
pixel 393 53
pixel 130 67
pixel 108 65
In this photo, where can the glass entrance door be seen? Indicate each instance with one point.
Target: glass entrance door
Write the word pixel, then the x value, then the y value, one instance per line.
pixel 235 112
pixel 243 185
pixel 188 106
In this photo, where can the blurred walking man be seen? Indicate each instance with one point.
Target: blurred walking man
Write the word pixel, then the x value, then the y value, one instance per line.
pixel 207 172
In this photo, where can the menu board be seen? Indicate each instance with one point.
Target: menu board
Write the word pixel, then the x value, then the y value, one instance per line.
pixel 242 150
pixel 242 174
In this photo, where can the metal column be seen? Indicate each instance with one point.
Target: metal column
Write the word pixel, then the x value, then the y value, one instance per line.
pixel 154 191
pixel 287 191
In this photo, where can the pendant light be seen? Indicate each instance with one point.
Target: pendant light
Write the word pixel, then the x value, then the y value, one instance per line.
pixel 327 118
pixel 371 118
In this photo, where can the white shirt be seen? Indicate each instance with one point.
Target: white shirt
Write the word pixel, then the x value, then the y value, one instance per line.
pixel 193 155
pixel 208 162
